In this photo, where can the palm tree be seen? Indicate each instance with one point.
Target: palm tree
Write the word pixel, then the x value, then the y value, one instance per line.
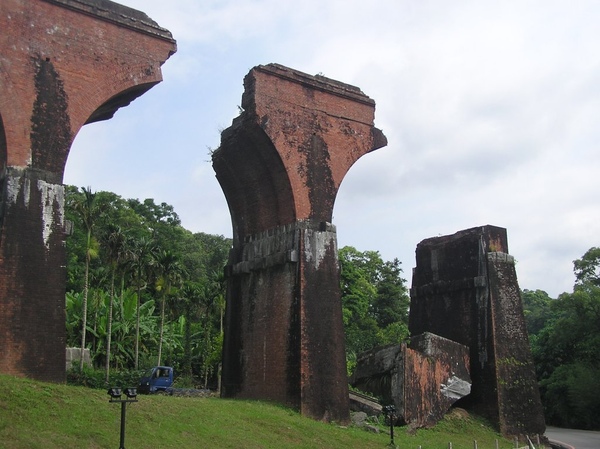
pixel 190 301
pixel 114 244
pixel 96 300
pixel 87 210
pixel 170 271
pixel 142 253
pixel 212 294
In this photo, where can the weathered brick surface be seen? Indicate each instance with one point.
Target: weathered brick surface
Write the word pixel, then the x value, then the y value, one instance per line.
pixel 436 375
pixel 422 379
pixel 519 407
pixel 63 63
pixel 280 165
pixel 465 289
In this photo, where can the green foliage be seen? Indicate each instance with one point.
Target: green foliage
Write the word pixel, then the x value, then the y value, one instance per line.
pixel 374 299
pixel 95 378
pixel 565 337
pixel 161 222
pixel 74 308
pixel 123 326
pixel 587 269
pixel 536 305
pixel 134 285
pixel 572 396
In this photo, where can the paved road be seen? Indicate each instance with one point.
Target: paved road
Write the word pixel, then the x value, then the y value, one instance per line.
pixel 579 439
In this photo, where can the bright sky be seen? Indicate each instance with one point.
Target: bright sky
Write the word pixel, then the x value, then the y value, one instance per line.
pixel 491 110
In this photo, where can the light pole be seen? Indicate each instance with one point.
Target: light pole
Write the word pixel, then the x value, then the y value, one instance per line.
pixel 115 396
pixel 390 411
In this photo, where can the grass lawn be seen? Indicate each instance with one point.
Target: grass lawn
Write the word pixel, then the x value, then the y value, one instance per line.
pixel 48 416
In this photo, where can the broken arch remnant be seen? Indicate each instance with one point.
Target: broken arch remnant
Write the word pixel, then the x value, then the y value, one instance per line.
pixel 280 165
pixel 64 63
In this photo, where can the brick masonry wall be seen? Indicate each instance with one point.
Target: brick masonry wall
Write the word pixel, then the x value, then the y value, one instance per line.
pixel 520 407
pixel 32 277
pixel 431 365
pixel 465 289
pixel 280 165
pixel 64 63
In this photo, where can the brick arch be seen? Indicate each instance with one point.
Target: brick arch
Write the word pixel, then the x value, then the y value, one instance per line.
pixel 254 180
pixel 280 165
pixel 122 98
pixel 112 90
pixel 66 63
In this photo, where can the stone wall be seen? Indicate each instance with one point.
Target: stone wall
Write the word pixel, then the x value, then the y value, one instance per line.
pixel 73 355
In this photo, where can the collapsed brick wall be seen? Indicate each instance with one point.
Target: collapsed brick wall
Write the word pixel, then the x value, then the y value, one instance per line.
pixel 280 165
pixel 422 379
pixel 436 375
pixel 465 289
pixel 64 63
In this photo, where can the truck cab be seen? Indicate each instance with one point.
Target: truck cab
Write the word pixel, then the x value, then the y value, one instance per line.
pixel 156 379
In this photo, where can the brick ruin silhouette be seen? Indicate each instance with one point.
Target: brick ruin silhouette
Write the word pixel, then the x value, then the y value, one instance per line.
pixel 280 165
pixel 469 345
pixel 64 63
pixel 465 289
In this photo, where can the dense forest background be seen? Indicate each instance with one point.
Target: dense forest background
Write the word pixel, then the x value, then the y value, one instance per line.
pixel 143 291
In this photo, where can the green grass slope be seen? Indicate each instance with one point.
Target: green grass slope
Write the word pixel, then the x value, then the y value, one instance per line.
pixel 48 416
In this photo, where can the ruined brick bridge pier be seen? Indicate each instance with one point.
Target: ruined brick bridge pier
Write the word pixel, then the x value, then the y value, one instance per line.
pixel 64 63
pixel 280 165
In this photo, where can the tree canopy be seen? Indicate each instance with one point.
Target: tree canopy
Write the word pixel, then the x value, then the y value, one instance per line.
pixel 565 341
pixel 143 309
pixel 141 288
pixel 157 291
pixel 374 301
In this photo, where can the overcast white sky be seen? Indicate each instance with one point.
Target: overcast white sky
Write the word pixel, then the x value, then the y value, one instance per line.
pixel 491 110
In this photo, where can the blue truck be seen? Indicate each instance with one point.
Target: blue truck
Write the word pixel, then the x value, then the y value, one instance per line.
pixel 159 379
pixel 156 380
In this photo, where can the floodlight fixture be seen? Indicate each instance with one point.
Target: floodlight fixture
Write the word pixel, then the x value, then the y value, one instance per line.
pixel 115 396
pixel 131 392
pixel 389 409
pixel 115 393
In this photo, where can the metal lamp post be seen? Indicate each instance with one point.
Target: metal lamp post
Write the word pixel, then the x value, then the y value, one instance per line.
pixel 390 411
pixel 115 396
